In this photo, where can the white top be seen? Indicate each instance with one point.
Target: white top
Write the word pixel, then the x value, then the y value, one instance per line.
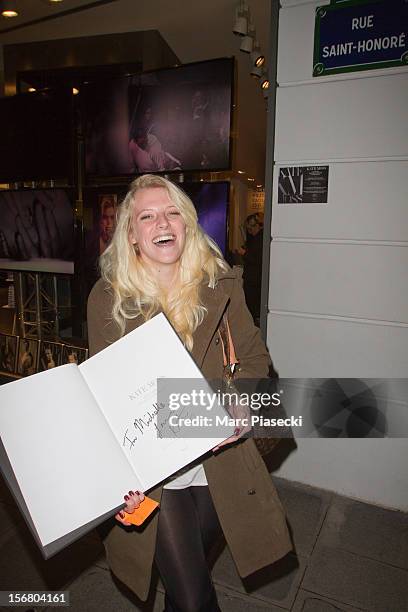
pixel 188 477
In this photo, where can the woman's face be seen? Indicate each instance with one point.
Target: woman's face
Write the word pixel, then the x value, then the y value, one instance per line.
pixel 157 227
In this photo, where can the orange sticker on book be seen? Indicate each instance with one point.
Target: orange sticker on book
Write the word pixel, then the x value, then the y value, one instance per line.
pixel 141 513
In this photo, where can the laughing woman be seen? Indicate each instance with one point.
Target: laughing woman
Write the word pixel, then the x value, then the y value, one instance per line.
pixel 161 260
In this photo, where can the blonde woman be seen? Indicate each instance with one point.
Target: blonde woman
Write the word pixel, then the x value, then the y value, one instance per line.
pixel 161 260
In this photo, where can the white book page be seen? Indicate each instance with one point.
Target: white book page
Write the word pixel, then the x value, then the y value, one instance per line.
pixel 123 379
pixel 66 460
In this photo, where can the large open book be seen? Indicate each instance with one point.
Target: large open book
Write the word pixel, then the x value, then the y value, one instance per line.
pixel 69 447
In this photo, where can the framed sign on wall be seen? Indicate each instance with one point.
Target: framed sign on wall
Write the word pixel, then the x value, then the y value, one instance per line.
pixel 352 35
pixel 303 185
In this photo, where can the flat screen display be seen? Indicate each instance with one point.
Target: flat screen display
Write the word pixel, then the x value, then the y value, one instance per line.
pixel 36 136
pixel 176 119
pixel 37 231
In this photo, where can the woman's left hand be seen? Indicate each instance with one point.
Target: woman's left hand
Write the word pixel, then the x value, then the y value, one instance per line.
pixel 242 417
pixel 133 501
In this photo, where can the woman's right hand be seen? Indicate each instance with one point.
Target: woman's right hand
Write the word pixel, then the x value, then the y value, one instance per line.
pixel 133 500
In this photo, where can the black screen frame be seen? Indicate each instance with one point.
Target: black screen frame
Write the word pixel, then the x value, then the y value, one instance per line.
pixel 17 141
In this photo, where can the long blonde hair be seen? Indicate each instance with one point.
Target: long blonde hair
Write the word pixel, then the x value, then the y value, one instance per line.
pixel 136 292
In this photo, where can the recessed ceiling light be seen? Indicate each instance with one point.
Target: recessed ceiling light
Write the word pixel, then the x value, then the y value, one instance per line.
pixel 31 89
pixel 241 171
pixel 250 179
pixel 9 8
pixel 75 91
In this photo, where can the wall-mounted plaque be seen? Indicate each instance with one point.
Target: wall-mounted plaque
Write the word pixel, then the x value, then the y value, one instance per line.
pixel 303 185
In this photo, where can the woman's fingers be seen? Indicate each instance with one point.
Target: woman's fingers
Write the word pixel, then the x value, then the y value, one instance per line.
pixel 139 495
pixel 240 430
pixel 121 517
pixel 242 416
pixel 229 440
pixel 133 500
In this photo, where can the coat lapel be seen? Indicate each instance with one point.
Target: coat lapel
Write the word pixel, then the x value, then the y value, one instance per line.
pixel 216 301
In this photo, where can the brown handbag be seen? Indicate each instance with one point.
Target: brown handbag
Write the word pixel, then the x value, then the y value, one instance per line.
pixel 264 445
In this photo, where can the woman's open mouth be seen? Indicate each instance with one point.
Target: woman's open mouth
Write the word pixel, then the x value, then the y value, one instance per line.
pixel 165 240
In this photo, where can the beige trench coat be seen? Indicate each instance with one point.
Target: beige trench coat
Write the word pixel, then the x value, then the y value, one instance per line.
pixel 245 499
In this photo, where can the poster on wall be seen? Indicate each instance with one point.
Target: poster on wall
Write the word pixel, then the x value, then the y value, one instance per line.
pixel 27 356
pixel 100 214
pixel 356 35
pixel 107 211
pixel 303 185
pixel 74 354
pixel 256 201
pixel 50 355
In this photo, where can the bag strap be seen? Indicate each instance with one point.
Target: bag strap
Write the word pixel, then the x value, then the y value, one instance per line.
pixel 228 348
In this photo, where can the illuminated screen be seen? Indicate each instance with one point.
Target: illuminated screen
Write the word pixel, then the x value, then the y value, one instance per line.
pixel 163 121
pixel 37 231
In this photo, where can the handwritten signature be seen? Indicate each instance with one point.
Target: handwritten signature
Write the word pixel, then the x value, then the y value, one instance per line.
pixel 144 423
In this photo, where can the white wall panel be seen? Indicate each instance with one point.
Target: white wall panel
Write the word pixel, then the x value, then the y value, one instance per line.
pixel 367 201
pixel 317 347
pixel 370 121
pixel 295 55
pixel 340 279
